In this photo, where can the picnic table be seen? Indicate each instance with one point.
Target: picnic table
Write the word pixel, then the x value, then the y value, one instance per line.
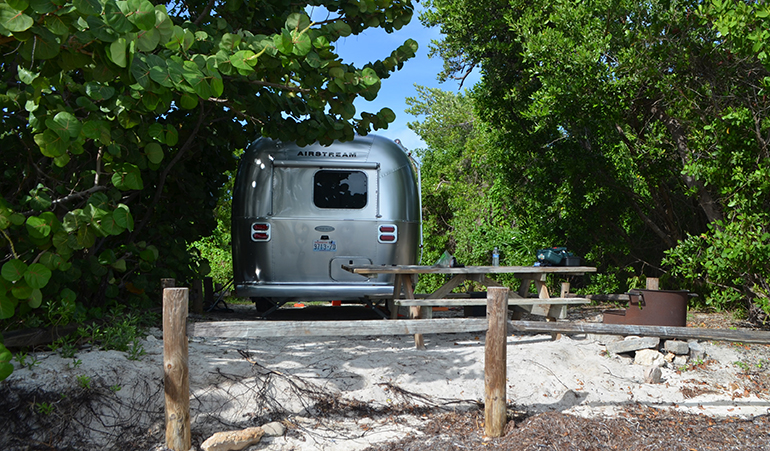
pixel 542 304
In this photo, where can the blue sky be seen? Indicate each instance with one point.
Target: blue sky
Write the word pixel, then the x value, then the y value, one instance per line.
pixel 375 44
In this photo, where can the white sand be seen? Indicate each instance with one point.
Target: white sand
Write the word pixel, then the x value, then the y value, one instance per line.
pixel 573 375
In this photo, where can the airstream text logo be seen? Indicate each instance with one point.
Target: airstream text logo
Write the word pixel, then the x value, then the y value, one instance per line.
pixel 326 154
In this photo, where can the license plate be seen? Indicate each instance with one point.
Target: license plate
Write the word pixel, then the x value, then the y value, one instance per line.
pixel 324 246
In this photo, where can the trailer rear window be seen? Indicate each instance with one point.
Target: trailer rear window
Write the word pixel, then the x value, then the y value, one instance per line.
pixel 339 189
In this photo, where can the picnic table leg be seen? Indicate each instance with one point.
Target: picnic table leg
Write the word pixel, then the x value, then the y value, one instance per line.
pixel 542 293
pixel 414 311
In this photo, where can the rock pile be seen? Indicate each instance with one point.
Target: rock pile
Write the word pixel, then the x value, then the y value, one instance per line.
pixel 652 354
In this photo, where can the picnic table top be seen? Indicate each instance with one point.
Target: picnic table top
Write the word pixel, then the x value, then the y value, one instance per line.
pixel 422 269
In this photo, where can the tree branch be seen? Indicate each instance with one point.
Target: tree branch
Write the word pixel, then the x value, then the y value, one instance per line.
pixel 80 194
pixel 205 12
pixel 280 86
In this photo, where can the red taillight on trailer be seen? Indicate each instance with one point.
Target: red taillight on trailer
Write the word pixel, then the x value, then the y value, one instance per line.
pixel 260 231
pixel 387 233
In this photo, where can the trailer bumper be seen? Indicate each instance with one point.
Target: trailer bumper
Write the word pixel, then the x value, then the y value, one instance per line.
pixel 315 291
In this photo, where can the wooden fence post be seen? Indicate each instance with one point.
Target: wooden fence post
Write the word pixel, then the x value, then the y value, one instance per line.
pixel 208 290
pixel 176 377
pixel 495 361
pixel 197 303
pixel 167 283
pixel 652 283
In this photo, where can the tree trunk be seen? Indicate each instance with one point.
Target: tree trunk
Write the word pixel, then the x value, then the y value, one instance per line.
pixel 678 133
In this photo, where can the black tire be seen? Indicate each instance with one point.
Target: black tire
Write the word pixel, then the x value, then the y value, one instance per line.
pixel 262 304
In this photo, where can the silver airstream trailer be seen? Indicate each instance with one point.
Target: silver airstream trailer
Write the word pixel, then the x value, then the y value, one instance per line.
pixel 299 213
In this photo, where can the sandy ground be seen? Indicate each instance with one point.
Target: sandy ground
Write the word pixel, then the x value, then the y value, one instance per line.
pixel 343 393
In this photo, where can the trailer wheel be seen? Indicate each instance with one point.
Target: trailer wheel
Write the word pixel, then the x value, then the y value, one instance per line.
pixel 262 304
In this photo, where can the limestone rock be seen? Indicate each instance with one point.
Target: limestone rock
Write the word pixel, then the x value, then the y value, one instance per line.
pixel 233 440
pixel 603 339
pixel 633 344
pixel 680 360
pixel 274 429
pixel 677 347
pixel 697 351
pixel 649 357
pixel 652 375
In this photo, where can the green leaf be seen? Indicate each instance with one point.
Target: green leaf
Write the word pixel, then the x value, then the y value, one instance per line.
pixel 6 368
pixel 283 42
pixel 244 59
pixel 150 254
pixel 123 218
pixel 154 153
pixel 21 291
pixel 13 270
pixel 337 72
pixel 117 52
pixel 163 24
pixel 120 265
pixel 107 257
pixel 341 28
pixel 196 79
pixel 38 227
pixel 188 101
pixel 175 70
pixel 68 296
pixel 110 225
pixel 159 73
pixel 217 86
pixel 51 144
pixel 14 20
pixel 88 7
pixel 148 40
pixel 35 300
pixel 172 136
pixel 74 220
pixel 40 200
pixel 141 70
pixel 297 21
pixel 67 123
pixel 17 219
pixel 99 130
pixel 37 275
pixel 387 114
pixel 97 207
pixel 115 15
pixel 98 91
pixel 127 177
pixel 26 76
pixel 302 43
pixel 44 43
pixel 7 308
pixel 101 29
pixel 85 237
pixel 142 14
pixel 229 42
pixel 44 6
pixel 156 131
pixel 369 76
pixel 57 25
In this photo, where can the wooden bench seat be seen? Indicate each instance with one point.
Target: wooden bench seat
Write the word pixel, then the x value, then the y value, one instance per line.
pixel 459 302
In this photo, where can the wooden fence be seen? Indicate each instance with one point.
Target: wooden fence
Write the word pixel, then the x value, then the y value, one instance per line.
pixel 176 331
